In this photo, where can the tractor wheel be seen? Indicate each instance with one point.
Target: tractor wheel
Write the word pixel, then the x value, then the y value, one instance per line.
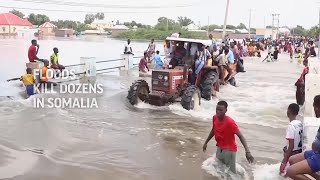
pixel 191 98
pixel 139 90
pixel 206 85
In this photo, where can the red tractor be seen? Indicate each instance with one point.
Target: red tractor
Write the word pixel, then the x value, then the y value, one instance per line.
pixel 172 85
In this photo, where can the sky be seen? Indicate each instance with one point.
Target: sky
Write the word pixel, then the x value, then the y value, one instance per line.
pixel 292 12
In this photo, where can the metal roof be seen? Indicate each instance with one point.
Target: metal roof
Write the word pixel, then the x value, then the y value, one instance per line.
pixel 11 19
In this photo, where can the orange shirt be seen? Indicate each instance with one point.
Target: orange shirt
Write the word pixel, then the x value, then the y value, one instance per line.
pixel 44 77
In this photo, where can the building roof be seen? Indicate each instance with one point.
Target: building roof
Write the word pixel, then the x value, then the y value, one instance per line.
pixel 122 27
pixel 191 27
pixel 227 30
pixel 101 22
pixel 48 25
pixel 244 31
pixel 11 19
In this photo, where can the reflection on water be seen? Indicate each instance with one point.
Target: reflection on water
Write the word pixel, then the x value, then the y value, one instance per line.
pixel 120 142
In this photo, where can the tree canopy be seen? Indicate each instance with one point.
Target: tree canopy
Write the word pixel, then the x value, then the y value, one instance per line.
pixel 241 26
pixel 17 13
pixel 99 16
pixel 184 21
pixel 89 18
pixel 38 19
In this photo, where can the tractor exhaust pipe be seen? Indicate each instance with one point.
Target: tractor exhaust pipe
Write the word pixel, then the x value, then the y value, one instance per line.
pixel 185 71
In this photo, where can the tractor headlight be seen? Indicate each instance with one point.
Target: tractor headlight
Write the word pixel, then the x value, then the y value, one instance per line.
pixel 165 78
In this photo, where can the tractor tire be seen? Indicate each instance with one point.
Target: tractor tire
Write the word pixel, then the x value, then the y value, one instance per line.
pixel 139 90
pixel 191 98
pixel 206 85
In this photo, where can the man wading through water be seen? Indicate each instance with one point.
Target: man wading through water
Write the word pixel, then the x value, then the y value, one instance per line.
pixel 224 128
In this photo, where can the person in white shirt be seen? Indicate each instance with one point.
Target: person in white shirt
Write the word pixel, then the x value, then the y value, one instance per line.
pixel 176 35
pixel 168 54
pixel 128 48
pixel 293 136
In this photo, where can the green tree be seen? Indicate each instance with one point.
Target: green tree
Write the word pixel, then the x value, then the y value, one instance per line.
pixel 38 19
pixel 299 31
pixel 89 18
pixel 313 32
pixel 184 21
pixel 99 16
pixel 211 27
pixel 76 25
pixel 241 26
pixel 164 23
pixel 253 30
pixel 17 13
pixel 231 27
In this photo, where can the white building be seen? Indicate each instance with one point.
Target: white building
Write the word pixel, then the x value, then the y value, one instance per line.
pixel 101 25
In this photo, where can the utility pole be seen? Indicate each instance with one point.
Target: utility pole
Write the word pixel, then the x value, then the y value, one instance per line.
pixel 167 24
pixel 225 20
pixel 208 26
pixel 275 24
pixel 319 37
pixel 250 23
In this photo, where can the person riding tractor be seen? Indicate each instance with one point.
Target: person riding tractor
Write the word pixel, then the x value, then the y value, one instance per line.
pixel 180 81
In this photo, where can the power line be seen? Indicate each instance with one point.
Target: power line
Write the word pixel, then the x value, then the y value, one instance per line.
pixel 74 11
pixel 69 3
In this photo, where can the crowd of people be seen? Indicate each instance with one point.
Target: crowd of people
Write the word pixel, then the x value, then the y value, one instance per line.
pixel 228 58
pixel 28 79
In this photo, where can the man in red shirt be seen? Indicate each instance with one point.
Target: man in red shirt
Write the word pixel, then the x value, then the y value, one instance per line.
pixel 224 128
pixel 143 63
pixel 33 51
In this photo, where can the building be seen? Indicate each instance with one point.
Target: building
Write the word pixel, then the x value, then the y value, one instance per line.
pixel 232 34
pixel 27 33
pixel 47 29
pixel 101 25
pixel 117 29
pixel 265 33
pixel 64 32
pixel 10 24
pixel 191 27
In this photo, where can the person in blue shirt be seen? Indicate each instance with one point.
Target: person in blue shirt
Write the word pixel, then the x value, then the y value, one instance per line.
pixel 230 57
pixel 158 61
pixel 307 162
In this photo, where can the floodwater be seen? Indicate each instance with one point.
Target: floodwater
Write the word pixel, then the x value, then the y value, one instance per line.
pixel 120 142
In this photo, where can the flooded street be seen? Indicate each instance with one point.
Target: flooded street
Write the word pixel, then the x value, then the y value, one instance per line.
pixel 120 142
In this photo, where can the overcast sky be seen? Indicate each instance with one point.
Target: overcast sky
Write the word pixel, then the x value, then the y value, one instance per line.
pixel 292 12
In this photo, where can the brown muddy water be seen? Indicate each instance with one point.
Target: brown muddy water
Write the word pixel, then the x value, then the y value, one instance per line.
pixel 117 141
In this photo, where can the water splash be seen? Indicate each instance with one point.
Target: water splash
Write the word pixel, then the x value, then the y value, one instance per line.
pixel 267 172
pixel 217 169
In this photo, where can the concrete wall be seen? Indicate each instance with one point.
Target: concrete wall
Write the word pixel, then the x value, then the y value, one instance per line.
pixel 6 29
pixel 64 32
pixel 116 32
pixel 218 35
pixel 47 31
pixel 312 88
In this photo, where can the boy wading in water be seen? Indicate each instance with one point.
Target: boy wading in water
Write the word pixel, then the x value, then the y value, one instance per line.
pixel 224 128
pixel 293 135
pixel 307 162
